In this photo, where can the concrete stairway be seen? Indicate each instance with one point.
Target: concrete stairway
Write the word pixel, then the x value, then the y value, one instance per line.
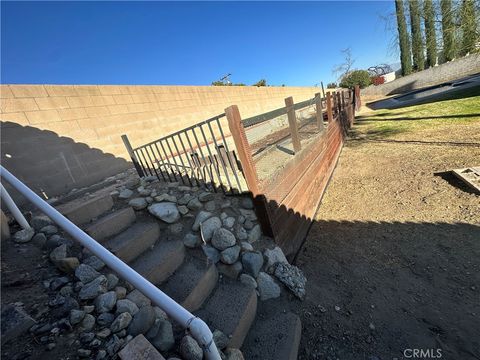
pixel 225 304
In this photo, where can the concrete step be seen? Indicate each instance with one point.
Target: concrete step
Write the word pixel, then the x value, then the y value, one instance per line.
pixel 274 338
pixel 131 243
pixel 111 224
pixel 231 309
pixel 192 283
pixel 158 264
pixel 81 211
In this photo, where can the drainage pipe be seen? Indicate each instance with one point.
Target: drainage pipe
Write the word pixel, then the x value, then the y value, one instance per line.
pixel 17 214
pixel 195 325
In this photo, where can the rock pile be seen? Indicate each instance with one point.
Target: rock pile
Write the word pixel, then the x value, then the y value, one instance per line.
pixel 106 313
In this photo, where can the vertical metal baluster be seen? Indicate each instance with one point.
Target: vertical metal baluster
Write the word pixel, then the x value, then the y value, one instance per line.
pixel 204 161
pixel 211 155
pixel 146 162
pixel 181 160
pixel 233 166
pixel 174 160
pixel 153 163
pixel 159 161
pixel 194 154
pixel 137 154
pixel 219 156
pixel 186 154
pixel 166 159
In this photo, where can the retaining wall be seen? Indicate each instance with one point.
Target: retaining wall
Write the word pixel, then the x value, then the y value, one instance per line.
pixel 59 137
pixel 450 71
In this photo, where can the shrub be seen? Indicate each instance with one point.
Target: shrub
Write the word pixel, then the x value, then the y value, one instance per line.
pixel 356 77
pixel 332 85
pixel 378 80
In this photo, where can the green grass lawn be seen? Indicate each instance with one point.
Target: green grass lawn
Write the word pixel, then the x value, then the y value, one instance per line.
pixel 440 115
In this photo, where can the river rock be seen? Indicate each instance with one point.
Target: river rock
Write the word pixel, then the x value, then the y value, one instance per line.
pixel 105 319
pixel 163 340
pixel 274 256
pixel 206 196
pixel 267 287
pixel 255 234
pixel 194 204
pixel 189 349
pixel 23 236
pixel 200 218
pixel 121 322
pixel 142 321
pixel 49 230
pixel 85 273
pixel 231 271
pixel 125 194
pixel 76 316
pixel 94 262
pixel 230 255
pixel 88 322
pixel 138 203
pixel 138 298
pixel 211 253
pixel 67 265
pixel 41 221
pixel 94 288
pixel 248 280
pixel 191 240
pixel 165 211
pixel 105 302
pixel 209 226
pixel 252 263
pixel 58 253
pixel 126 305
pixel 223 239
pixel 228 222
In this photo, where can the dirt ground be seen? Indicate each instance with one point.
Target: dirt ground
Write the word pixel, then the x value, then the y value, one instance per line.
pixel 393 257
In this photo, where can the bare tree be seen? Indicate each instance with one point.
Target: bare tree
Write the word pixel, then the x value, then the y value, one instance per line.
pixel 346 66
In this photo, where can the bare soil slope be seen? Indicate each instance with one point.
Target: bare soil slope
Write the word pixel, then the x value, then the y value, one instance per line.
pixel 393 259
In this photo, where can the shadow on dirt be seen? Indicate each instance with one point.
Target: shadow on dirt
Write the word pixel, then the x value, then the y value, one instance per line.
pixel 377 288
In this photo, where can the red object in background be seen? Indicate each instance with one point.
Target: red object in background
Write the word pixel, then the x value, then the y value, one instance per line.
pixel 378 80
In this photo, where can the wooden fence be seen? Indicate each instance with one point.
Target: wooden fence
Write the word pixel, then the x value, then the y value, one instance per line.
pixel 287 199
pixel 284 158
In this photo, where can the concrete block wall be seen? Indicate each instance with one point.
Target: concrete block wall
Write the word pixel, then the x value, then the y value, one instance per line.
pixel 450 71
pixel 59 137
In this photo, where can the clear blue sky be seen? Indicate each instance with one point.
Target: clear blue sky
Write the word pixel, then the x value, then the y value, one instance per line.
pixel 188 43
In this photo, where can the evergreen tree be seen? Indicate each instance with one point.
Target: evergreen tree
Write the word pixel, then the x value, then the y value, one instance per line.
pixel 417 42
pixel 430 35
pixel 448 30
pixel 468 25
pixel 403 39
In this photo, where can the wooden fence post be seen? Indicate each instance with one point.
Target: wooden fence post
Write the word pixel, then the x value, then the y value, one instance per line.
pixel 132 155
pixel 249 171
pixel 329 107
pixel 319 111
pixel 292 123
pixel 243 148
pixel 358 101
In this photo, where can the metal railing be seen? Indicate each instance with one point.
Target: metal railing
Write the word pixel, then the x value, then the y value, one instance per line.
pixel 197 327
pixel 201 154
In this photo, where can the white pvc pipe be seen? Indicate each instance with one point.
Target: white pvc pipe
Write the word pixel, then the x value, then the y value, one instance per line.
pixel 17 214
pixel 195 325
